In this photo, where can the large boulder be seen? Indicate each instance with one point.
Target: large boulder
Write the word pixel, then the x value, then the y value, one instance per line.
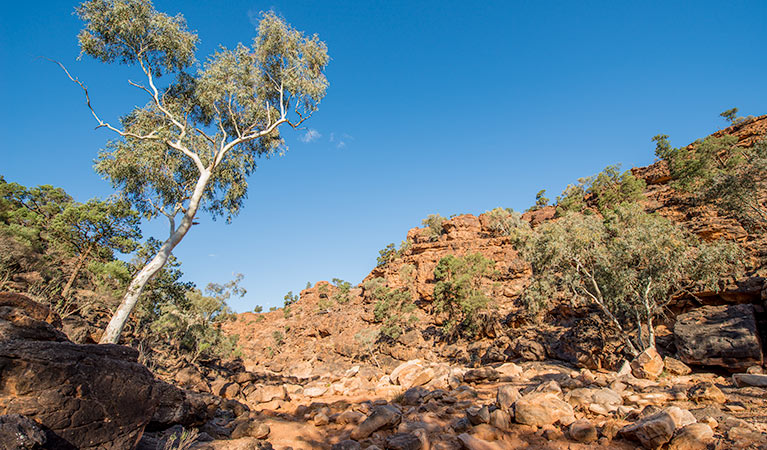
pixel 723 336
pixel 84 396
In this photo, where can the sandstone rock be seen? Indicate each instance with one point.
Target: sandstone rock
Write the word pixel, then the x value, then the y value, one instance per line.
pixel 89 396
pixel 315 391
pixel 472 443
pixel 481 374
pixel 539 409
pixel 695 436
pixel 402 441
pixel 647 364
pixel 706 392
pixel 500 419
pixel 18 432
pixel 676 367
pixel 749 379
pixel 186 408
pixel 353 417
pixel 509 370
pixel 720 336
pixel 321 419
pixel 251 428
pixel 583 431
pixel 506 396
pixel 382 417
pixel 348 444
pixel 657 429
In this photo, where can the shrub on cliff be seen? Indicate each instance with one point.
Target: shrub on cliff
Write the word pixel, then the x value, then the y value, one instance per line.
pixel 435 224
pixel 458 292
pixel 394 308
pixel 503 221
pixel 629 264
pixel 607 189
pixel 718 171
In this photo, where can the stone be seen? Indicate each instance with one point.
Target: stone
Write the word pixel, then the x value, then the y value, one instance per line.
pixel 506 396
pixel 353 417
pixel 706 392
pixel 251 428
pixel 647 364
pixel 583 431
pixel 509 370
pixel 182 407
pixel 315 391
pixel 347 444
pixel 402 441
pixel 472 443
pixel 657 429
pixel 19 432
pixel 481 374
pixel 723 336
pixel 749 379
pixel 541 408
pixel 500 419
pixel 321 419
pixel 695 436
pixel 382 417
pixel 87 396
pixel 676 367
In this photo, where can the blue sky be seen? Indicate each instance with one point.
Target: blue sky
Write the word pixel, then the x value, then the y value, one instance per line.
pixel 433 107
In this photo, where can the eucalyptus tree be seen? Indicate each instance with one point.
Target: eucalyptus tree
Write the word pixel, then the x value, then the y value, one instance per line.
pixel 193 144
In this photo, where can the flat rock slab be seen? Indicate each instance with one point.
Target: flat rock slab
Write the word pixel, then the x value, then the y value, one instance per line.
pixel 723 336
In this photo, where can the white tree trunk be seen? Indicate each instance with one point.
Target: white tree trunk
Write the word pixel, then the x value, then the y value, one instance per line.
pixel 117 323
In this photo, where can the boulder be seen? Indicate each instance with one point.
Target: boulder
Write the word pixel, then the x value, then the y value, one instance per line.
pixel 676 367
pixel 657 429
pixel 506 396
pixel 402 441
pixel 347 444
pixel 86 396
pixel 647 364
pixel 182 407
pixel 542 408
pixel 706 392
pixel 749 379
pixel 472 443
pixel 695 436
pixel 723 336
pixel 382 417
pixel 583 431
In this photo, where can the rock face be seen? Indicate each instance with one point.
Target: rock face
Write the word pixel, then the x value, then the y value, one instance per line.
pixel 723 336
pixel 19 433
pixel 85 396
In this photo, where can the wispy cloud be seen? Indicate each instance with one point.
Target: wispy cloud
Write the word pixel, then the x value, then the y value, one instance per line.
pixel 342 140
pixel 311 135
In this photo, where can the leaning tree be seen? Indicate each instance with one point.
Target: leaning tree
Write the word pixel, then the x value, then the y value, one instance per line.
pixel 192 146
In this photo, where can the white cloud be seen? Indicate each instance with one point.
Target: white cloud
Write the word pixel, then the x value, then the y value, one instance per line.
pixel 341 141
pixel 311 135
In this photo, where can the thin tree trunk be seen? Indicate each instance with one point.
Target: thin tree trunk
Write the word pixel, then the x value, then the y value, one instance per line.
pixel 112 332
pixel 78 267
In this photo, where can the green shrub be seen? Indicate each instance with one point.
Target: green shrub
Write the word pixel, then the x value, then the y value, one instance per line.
pixel 279 338
pixel 258 309
pixel 342 294
pixel 394 308
pixel 290 298
pixel 503 221
pixel 458 290
pixel 436 226
pixel 609 189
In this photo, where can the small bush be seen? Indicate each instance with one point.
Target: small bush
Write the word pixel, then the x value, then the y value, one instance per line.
pixel 258 309
pixel 342 294
pixel 436 225
pixel 290 298
pixel 458 292
pixel 394 309
pixel 503 221
pixel 279 338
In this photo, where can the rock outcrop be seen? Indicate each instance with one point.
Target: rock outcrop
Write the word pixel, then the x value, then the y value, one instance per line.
pixel 83 396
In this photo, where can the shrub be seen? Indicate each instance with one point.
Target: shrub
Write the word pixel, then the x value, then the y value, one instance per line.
pixel 503 221
pixel 394 308
pixel 290 298
pixel 609 189
pixel 342 294
pixel 458 290
pixel 279 338
pixel 435 224
pixel 258 309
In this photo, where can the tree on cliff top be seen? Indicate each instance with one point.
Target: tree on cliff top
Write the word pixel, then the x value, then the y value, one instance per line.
pixel 194 143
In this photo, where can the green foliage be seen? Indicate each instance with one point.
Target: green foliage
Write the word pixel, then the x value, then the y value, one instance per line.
pixel 394 308
pixel 272 308
pixel 286 312
pixel 435 224
pixel 503 221
pixel 258 309
pixel 195 324
pixel 540 201
pixel 290 298
pixel 308 285
pixel 630 264
pixel 607 189
pixel 391 253
pixel 279 338
pixel 324 304
pixel 458 291
pixel 342 291
pixel 718 171
pixel 730 115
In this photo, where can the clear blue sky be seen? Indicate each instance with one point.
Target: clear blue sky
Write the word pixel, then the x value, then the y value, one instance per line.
pixel 433 107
